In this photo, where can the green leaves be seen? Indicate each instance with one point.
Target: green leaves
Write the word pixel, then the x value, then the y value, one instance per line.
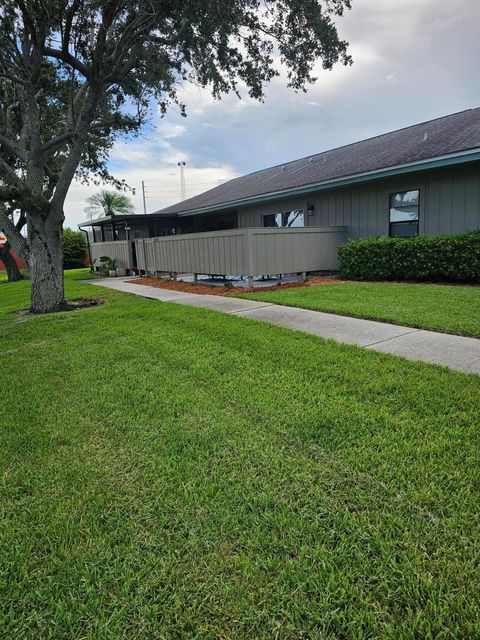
pixel 449 258
pixel 108 203
pixel 74 249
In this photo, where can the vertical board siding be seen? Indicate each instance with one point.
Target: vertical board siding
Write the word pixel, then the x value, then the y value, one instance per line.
pixel 449 203
pixel 243 252
pixel 472 205
pixel 119 250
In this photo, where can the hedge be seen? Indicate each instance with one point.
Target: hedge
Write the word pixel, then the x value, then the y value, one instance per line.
pixel 449 258
pixel 74 249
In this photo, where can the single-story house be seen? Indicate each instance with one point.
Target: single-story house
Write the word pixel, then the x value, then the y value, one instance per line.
pixel 423 179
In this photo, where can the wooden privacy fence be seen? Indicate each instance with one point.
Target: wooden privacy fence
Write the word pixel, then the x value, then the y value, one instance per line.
pixel 246 252
pixel 120 250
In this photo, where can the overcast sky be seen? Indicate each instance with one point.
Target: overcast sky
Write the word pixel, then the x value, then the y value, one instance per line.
pixel 414 60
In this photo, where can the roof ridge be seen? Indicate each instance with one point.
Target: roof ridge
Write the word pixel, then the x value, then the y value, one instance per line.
pixel 351 144
pixel 458 134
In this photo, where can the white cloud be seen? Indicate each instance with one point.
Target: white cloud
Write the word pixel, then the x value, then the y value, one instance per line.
pixel 168 130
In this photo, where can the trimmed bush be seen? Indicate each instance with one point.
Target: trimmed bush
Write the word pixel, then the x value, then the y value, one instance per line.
pixel 74 249
pixel 449 258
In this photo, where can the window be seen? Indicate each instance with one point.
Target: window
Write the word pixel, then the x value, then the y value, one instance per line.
pixel 290 219
pixel 140 231
pixel 120 232
pixel 404 208
pixel 108 232
pixel 97 234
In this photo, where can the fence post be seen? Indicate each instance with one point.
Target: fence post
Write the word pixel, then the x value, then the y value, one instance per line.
pixel 140 253
pixel 250 256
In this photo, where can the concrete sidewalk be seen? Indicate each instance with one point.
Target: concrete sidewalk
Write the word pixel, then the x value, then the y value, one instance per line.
pixel 456 352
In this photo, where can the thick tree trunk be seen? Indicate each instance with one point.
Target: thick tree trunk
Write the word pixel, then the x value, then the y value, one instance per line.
pixel 13 272
pixel 45 262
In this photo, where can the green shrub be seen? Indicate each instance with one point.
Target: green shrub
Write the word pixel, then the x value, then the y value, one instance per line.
pixel 449 258
pixel 74 249
pixel 104 264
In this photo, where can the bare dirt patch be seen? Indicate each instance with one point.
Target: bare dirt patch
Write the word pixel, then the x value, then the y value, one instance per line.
pixel 218 290
pixel 83 303
pixel 70 305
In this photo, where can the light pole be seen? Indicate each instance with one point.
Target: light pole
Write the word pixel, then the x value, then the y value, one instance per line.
pixel 144 201
pixel 182 179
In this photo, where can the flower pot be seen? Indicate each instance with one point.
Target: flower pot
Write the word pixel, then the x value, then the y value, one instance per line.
pixel 121 272
pixel 112 273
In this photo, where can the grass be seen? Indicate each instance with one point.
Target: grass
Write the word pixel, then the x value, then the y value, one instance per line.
pixel 170 472
pixel 445 308
pixel 4 278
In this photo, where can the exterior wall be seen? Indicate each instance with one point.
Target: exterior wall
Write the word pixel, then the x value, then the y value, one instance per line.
pixel 449 203
pixel 119 250
pixel 243 252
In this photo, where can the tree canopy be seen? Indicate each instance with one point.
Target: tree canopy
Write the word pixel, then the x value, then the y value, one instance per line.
pixel 74 74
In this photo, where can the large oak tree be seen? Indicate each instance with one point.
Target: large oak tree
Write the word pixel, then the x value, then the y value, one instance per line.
pixel 76 73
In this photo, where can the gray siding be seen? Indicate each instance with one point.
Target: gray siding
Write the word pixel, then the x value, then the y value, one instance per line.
pixel 243 252
pixel 449 203
pixel 119 250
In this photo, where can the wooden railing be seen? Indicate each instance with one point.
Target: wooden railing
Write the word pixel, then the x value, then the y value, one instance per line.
pixel 246 252
pixel 120 250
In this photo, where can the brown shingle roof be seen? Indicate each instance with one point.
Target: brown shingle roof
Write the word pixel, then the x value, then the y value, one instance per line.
pixel 443 136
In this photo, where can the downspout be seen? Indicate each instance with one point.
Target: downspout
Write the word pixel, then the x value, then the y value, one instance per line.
pixel 88 248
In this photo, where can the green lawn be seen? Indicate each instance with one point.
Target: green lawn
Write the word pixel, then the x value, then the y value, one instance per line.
pixel 446 308
pixel 3 275
pixel 170 472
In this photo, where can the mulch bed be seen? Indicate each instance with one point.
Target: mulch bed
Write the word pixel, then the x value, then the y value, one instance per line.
pixel 218 290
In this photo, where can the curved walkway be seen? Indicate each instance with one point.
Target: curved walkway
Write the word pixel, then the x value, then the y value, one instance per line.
pixel 456 352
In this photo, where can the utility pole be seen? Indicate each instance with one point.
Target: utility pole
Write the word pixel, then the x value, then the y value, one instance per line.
pixel 144 201
pixel 182 180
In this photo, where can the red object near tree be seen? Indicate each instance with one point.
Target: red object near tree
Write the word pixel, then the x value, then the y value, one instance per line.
pixel 19 261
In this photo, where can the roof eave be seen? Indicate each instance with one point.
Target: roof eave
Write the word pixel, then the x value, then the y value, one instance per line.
pixel 432 163
pixel 134 217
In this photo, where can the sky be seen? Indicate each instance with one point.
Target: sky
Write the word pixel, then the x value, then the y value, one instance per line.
pixel 414 60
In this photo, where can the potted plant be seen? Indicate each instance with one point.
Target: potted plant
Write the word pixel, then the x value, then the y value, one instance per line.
pixel 112 270
pixel 107 266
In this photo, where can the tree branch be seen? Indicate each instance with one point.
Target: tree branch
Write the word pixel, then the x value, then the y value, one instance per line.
pixel 7 193
pixel 58 141
pixel 11 147
pixel 9 173
pixel 18 242
pixel 65 56
pixel 76 149
pixel 15 79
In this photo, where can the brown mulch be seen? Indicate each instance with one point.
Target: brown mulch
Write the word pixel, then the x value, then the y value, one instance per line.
pixel 219 290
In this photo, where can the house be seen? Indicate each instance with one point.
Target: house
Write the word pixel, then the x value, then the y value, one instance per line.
pixel 423 179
